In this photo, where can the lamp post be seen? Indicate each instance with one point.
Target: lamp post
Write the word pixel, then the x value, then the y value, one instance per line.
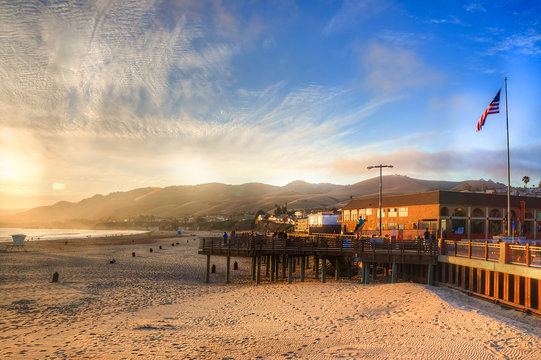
pixel 380 166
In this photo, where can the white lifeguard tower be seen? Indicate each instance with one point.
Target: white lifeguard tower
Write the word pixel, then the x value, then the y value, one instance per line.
pixel 18 239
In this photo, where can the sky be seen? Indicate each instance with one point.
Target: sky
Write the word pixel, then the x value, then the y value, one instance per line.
pixel 104 96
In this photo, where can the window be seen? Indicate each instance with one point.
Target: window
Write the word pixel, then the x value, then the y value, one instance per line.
pixel 403 211
pixel 392 212
pixel 368 211
pixel 495 213
pixel 478 213
pixel 362 212
pixel 444 211
pixel 346 215
pixel 354 216
pixel 382 213
pixel 459 212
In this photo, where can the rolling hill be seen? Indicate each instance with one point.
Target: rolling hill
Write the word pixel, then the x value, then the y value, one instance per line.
pixel 222 199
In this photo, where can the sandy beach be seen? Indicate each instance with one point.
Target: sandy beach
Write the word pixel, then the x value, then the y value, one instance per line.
pixel 156 306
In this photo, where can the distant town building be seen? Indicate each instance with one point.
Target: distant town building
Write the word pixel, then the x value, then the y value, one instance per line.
pixel 455 215
pixel 301 225
pixel 324 222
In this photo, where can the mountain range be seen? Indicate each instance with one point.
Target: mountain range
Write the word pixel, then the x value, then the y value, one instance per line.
pixel 227 200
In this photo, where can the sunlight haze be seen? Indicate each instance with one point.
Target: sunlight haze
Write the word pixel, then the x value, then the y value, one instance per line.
pixel 104 96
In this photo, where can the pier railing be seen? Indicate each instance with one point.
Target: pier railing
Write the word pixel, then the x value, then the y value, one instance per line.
pixel 336 244
pixel 524 255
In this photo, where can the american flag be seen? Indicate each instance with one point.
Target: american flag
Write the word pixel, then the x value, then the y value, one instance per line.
pixel 493 108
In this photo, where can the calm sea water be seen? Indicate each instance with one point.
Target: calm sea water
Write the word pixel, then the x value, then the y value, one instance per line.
pixel 50 234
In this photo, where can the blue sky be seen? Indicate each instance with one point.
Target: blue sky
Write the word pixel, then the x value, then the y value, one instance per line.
pixel 102 96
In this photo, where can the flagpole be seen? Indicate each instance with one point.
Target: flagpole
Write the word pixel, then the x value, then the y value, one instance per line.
pixel 508 168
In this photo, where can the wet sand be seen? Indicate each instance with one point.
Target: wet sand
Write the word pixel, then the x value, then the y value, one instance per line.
pixel 156 306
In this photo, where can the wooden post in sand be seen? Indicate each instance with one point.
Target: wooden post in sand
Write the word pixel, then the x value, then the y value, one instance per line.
pixel 323 270
pixel 252 268
pixel 267 265
pixel 366 272
pixel 207 276
pixel 337 269
pixel 302 268
pixel 289 269
pixel 284 264
pixel 258 272
pixel 273 264
pixel 393 273
pixel 316 266
pixel 228 263
pixel 430 277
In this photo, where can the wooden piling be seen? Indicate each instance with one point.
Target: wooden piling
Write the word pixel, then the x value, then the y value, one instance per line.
pixel 323 270
pixel 430 277
pixel 393 273
pixel 253 268
pixel 258 273
pixel 336 269
pixel 303 265
pixel 289 269
pixel 284 265
pixel 271 270
pixel 207 276
pixel 227 268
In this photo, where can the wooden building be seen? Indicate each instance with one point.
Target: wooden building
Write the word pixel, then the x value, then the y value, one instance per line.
pixel 455 215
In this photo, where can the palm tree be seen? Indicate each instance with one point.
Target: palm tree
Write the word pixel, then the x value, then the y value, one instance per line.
pixel 525 180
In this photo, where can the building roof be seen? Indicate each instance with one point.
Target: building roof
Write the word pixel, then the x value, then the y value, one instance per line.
pixel 444 198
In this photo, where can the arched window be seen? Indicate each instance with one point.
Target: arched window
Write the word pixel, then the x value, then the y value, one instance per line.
pixel 478 213
pixel 444 211
pixel 459 212
pixel 495 213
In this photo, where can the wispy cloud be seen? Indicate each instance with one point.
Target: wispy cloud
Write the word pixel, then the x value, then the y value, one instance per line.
pixel 389 67
pixel 351 12
pixel 475 6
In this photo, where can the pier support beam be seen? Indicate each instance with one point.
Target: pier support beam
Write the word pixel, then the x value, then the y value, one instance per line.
pixel 207 275
pixel 289 270
pixel 337 269
pixel 316 266
pixel 258 273
pixel 323 270
pixel 252 268
pixel 284 264
pixel 227 268
pixel 273 264
pixel 366 272
pixel 303 267
pixel 430 277
pixel 393 273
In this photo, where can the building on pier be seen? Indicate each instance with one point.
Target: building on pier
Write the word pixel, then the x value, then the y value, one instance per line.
pixel 455 215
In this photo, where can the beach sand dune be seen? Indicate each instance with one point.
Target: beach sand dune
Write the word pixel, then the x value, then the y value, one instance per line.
pixel 156 306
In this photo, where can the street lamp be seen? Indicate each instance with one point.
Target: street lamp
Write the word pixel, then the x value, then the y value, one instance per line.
pixel 380 166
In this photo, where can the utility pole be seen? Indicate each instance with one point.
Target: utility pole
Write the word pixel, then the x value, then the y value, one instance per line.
pixel 380 166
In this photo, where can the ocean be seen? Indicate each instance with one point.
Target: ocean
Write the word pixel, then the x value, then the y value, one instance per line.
pixel 52 234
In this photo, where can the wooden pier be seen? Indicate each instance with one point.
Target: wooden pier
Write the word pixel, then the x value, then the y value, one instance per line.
pixel 324 252
pixel 504 273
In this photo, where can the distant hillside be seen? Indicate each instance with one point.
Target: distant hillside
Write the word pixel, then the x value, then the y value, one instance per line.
pixel 222 199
